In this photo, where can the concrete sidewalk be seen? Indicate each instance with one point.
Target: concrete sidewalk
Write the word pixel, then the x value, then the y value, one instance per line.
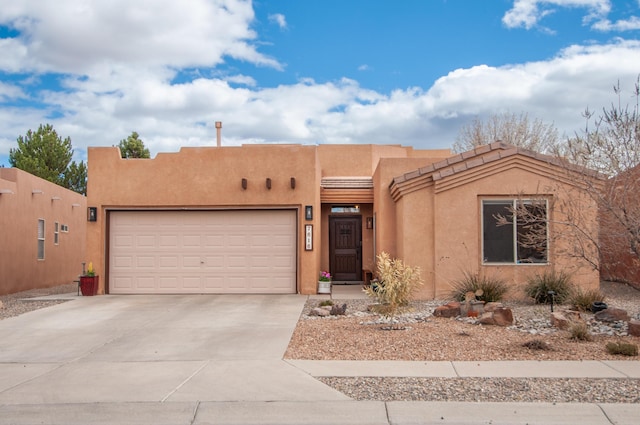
pixel 208 359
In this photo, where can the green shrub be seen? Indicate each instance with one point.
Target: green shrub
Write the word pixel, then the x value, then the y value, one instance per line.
pixel 396 284
pixel 580 332
pixel 325 303
pixel 488 289
pixel 622 348
pixel 583 300
pixel 538 287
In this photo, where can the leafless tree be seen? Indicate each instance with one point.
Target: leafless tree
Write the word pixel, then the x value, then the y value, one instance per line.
pixel 517 130
pixel 610 144
pixel 603 165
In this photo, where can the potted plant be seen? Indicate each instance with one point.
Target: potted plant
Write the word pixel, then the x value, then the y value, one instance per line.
pixel 324 283
pixel 89 282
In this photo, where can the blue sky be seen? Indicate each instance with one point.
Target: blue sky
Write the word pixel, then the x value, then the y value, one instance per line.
pixel 409 72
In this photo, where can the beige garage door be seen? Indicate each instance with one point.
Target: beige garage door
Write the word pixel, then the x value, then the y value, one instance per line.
pixel 177 252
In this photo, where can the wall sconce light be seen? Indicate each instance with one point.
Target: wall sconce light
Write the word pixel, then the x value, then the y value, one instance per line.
pixel 6 192
pixel 293 182
pixel 308 212
pixel 92 214
pixel 244 184
pixel 37 192
pixel 55 198
pixel 268 183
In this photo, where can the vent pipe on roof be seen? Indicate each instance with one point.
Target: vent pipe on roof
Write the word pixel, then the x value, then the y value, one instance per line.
pixel 219 133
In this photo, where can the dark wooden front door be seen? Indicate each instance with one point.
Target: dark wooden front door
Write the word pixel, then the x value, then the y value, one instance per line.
pixel 345 247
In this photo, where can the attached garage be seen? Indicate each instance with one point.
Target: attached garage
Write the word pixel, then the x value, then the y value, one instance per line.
pixel 213 252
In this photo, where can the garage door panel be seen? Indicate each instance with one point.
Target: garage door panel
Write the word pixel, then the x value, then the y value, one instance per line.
pixel 146 241
pixel 191 262
pixel 203 251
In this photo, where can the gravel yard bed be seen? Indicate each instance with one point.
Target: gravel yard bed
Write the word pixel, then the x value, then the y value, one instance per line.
pixel 20 303
pixel 538 390
pixel 360 335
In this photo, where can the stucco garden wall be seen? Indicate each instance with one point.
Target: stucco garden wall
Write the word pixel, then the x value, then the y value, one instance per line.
pixel 25 199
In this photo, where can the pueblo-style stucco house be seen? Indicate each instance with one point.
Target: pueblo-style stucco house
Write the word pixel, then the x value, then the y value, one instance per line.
pixel 42 232
pixel 270 218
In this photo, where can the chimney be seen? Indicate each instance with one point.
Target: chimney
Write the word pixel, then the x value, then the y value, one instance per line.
pixel 219 133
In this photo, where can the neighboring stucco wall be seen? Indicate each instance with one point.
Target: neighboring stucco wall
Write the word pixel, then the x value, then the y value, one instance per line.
pixel 619 262
pixel 31 199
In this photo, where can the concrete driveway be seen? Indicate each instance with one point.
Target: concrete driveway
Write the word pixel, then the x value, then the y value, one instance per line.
pixel 130 349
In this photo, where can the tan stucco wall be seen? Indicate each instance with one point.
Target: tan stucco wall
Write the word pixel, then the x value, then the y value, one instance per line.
pixel 210 178
pixel 453 245
pixel 33 198
pixel 384 205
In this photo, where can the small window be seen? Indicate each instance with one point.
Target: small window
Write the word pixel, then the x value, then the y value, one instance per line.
pixel 64 228
pixel 56 233
pixel 341 209
pixel 514 232
pixel 40 239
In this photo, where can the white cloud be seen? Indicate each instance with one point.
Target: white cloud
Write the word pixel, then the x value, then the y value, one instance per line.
pixel 363 67
pixel 129 83
pixel 528 13
pixel 85 37
pixel 630 24
pixel 279 19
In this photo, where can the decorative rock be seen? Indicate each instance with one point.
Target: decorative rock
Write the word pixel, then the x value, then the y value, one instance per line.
pixel 612 315
pixel 1 304
pixel 503 316
pixel 559 320
pixel 336 310
pixel 492 306
pixel 500 316
pixel 634 327
pixel 448 310
pixel 319 311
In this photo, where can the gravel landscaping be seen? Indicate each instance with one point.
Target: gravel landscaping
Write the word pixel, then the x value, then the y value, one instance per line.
pixel 361 335
pixel 23 302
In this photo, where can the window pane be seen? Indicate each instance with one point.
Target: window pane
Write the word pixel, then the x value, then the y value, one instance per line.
pixel 532 233
pixel 497 240
pixel 40 239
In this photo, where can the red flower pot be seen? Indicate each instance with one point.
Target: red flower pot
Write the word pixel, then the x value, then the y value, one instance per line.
pixel 89 285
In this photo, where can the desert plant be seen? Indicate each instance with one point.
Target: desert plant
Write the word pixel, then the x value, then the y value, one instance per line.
pixel 536 344
pixel 622 348
pixel 579 331
pixel 539 286
pixel 325 303
pixel 583 299
pixel 488 289
pixel 396 284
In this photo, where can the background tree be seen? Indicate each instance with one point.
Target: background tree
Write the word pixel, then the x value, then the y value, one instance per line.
pixel 510 128
pixel 610 144
pixel 45 154
pixel 133 147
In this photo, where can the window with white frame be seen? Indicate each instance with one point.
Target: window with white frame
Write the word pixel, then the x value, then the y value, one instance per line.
pixel 56 233
pixel 40 239
pixel 514 231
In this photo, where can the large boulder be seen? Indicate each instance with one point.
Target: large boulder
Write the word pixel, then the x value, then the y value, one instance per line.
pixel 612 315
pixel 451 309
pixel 500 316
pixel 634 327
pixel 562 319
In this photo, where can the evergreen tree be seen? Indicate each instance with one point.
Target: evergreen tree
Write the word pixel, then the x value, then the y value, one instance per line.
pixel 133 147
pixel 45 154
